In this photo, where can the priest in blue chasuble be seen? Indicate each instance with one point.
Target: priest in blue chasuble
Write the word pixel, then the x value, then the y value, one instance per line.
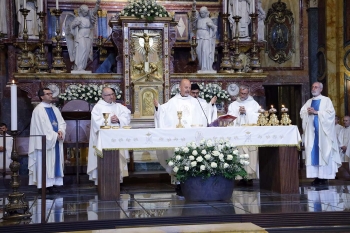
pixel 46 120
pixel 322 157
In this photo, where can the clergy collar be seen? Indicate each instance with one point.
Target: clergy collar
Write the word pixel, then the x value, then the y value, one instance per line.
pixel 317 97
pixel 104 103
pixel 179 96
pixel 250 98
pixel 46 105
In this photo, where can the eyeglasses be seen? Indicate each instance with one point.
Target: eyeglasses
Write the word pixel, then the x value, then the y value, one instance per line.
pixel 109 94
pixel 48 94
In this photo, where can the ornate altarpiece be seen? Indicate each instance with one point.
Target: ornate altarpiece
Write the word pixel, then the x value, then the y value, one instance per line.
pixel 145 54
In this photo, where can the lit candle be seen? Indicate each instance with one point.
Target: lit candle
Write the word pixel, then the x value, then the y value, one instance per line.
pixel 225 6
pixel 236 7
pixel 56 4
pixel 13 106
pixel 282 106
pixel 25 4
pixel 41 4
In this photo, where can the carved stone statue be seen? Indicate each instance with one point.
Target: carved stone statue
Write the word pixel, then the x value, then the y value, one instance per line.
pixel 32 18
pixel 240 8
pixel 206 37
pixel 79 36
pixel 261 24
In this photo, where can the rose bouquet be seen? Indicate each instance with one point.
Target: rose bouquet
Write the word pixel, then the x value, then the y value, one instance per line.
pixel 208 158
pixel 89 92
pixel 208 91
pixel 144 9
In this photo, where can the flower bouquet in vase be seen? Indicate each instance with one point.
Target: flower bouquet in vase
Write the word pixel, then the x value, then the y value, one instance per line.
pixel 206 170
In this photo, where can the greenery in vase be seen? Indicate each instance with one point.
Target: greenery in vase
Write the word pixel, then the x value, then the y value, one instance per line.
pixel 208 158
pixel 144 9
pixel 89 92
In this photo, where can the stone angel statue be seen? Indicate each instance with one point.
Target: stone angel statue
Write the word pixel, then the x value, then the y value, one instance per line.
pixel 79 36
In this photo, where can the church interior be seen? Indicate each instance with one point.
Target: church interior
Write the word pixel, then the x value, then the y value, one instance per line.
pixel 278 48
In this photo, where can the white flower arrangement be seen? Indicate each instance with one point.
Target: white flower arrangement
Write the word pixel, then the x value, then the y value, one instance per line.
pixel 89 92
pixel 144 9
pixel 208 91
pixel 208 158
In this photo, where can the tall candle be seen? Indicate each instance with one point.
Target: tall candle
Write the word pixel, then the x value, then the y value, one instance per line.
pixel 236 7
pixel 56 4
pixel 25 4
pixel 225 6
pixel 253 6
pixel 13 106
pixel 41 4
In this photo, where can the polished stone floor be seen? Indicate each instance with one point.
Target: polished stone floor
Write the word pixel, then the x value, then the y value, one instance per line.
pixel 76 203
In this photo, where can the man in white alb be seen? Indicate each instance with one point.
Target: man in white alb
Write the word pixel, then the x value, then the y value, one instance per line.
pixel 338 128
pixel 46 120
pixel 119 115
pixel 165 116
pixel 322 157
pixel 245 108
pixel 9 143
pixel 209 109
pixel 344 140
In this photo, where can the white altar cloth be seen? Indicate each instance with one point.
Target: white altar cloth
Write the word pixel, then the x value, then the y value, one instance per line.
pixel 155 138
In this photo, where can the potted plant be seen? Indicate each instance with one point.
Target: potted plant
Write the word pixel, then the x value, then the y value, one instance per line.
pixel 206 170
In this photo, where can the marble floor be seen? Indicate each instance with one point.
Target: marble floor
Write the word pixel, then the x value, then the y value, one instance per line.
pixel 76 207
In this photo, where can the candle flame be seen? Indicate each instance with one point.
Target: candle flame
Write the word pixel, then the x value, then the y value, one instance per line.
pixel 282 106
pixel 271 106
pixel 13 81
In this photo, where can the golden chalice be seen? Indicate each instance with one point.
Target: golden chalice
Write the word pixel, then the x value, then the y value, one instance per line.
pixel 179 115
pixel 105 116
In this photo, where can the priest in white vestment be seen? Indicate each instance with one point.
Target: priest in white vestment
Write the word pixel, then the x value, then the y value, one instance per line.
pixel 209 109
pixel 119 115
pixel 322 157
pixel 166 116
pixel 46 120
pixel 8 147
pixel 245 108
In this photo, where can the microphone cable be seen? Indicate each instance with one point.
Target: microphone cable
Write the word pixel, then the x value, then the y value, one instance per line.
pixel 203 112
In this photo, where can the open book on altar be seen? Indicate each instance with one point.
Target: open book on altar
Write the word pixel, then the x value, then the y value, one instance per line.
pixel 223 121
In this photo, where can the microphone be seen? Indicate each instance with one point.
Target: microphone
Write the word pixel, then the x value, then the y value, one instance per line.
pixel 203 112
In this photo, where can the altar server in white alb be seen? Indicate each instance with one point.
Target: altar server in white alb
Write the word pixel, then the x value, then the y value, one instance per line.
pixel 46 120
pixel 344 140
pixel 166 116
pixel 209 109
pixel 119 115
pixel 245 108
pixel 322 157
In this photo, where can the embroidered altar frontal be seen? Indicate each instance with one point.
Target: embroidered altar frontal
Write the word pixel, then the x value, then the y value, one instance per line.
pixel 115 139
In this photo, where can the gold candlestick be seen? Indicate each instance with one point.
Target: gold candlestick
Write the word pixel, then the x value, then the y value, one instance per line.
pixel 42 66
pixel 226 65
pixel 179 115
pixel 17 208
pixel 58 65
pixel 237 64
pixel 105 116
pixel 26 64
pixel 254 59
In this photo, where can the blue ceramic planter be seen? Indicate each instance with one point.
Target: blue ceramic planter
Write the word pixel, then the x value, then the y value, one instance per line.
pixel 215 188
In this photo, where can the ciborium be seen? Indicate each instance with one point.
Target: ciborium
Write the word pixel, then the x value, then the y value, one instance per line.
pixel 285 120
pixel 263 117
pixel 179 115
pixel 105 116
pixel 273 117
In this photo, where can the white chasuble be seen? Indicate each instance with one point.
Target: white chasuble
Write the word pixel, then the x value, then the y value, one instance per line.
pixel 97 120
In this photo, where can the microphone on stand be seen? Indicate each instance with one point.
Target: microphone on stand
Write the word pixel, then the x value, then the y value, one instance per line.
pixel 203 111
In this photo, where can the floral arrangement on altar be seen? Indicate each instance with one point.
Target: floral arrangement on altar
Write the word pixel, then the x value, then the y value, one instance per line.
pixel 90 93
pixel 144 9
pixel 210 90
pixel 208 158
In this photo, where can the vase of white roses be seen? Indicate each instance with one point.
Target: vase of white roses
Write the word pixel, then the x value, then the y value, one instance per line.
pixel 88 92
pixel 208 91
pixel 206 170
pixel 144 9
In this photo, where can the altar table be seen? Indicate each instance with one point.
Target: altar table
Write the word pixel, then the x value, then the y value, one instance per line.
pixel 278 157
